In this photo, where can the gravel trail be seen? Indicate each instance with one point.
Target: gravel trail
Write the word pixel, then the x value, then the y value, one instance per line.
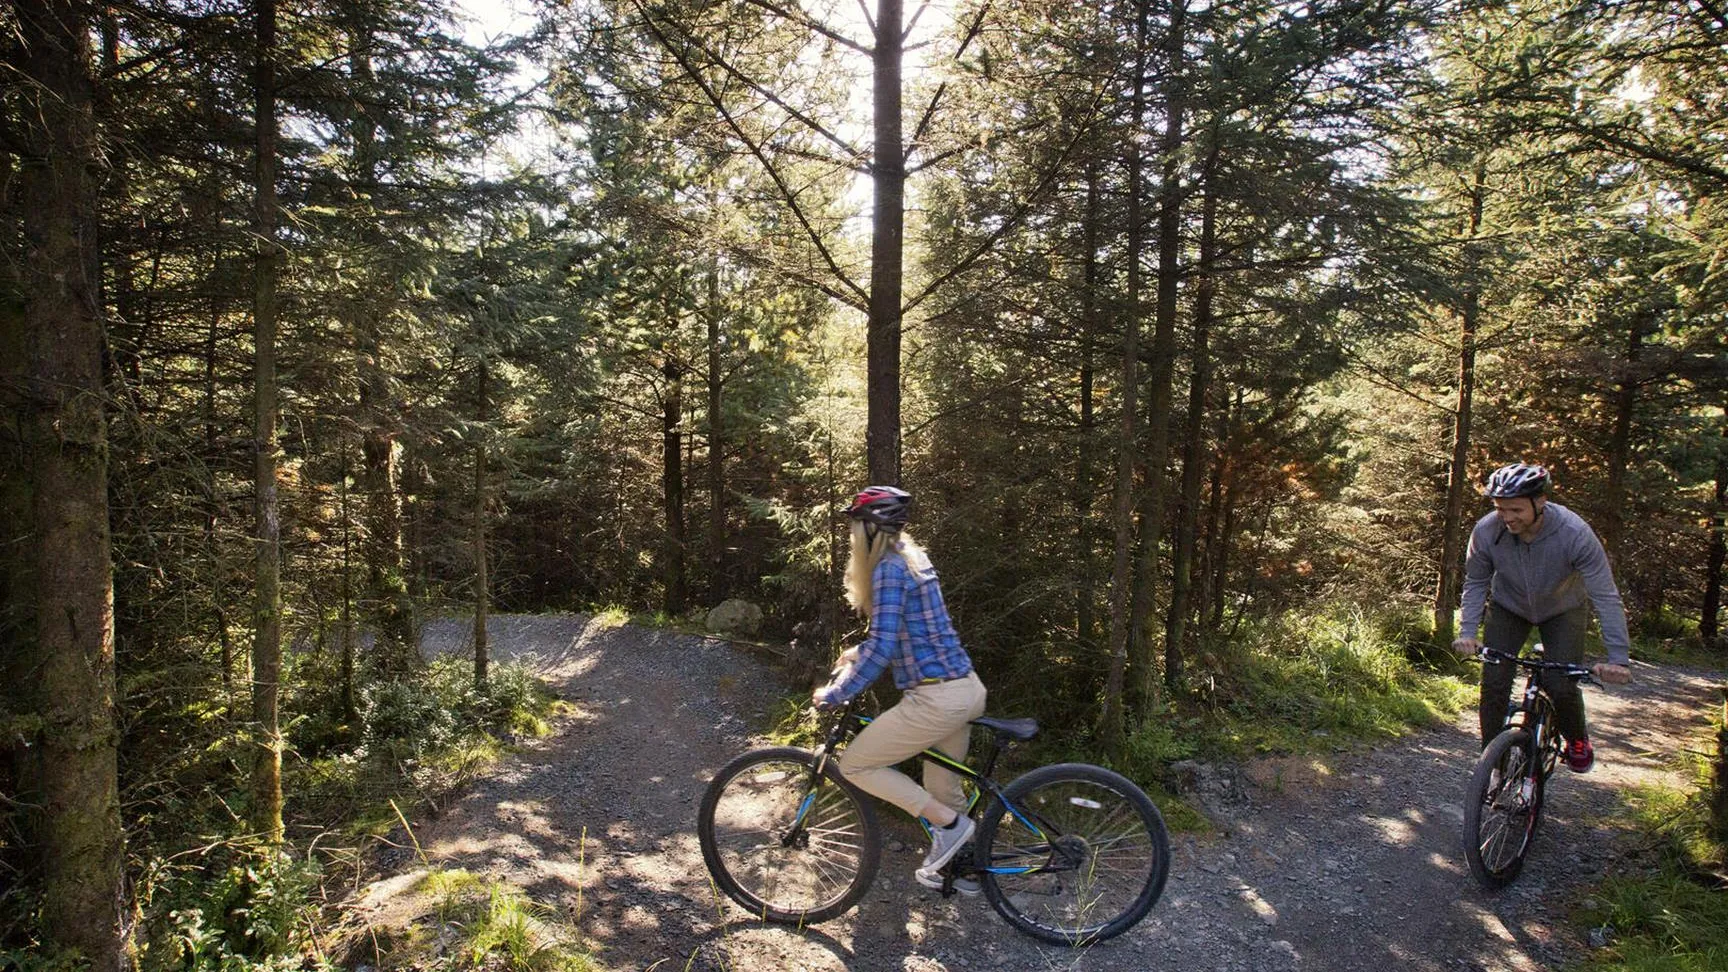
pixel 1349 861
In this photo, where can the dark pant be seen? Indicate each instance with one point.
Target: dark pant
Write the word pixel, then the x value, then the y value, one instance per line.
pixel 1562 640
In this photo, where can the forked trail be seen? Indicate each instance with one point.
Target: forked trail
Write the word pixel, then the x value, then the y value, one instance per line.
pixel 1350 862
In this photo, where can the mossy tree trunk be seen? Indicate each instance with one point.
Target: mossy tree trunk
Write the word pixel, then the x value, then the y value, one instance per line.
pixel 390 606
pixel 267 563
pixel 1194 447
pixel 1113 719
pixel 1708 624
pixel 1085 623
pixel 66 451
pixel 482 592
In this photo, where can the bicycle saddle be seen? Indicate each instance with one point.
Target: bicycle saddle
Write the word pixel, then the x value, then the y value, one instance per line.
pixel 1021 729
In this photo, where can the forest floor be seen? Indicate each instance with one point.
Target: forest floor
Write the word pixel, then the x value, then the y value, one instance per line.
pixel 1346 861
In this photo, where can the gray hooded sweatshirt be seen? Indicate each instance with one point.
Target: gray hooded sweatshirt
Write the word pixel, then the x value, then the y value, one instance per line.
pixel 1561 566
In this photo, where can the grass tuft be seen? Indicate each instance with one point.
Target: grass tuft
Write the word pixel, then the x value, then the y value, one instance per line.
pixel 1673 917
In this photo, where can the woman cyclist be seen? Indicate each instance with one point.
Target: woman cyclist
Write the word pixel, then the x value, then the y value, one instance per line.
pixel 890 580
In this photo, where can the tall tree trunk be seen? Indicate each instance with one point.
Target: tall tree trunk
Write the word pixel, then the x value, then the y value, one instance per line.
pixel 482 595
pixel 888 177
pixel 1113 728
pixel 1457 480
pixel 391 611
pixel 267 609
pixel 66 447
pixel 1194 449
pixel 212 550
pixel 1620 441
pixel 1227 531
pixel 1208 548
pixel 1163 365
pixel 672 481
pixel 1084 624
pixel 350 707
pixel 1709 628
pixel 717 581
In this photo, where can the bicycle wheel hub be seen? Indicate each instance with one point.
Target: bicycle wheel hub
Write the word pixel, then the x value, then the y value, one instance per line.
pixel 1068 852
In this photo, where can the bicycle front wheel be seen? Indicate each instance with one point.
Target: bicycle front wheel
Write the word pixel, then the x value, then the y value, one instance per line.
pixel 1073 854
pixel 1501 809
pixel 787 844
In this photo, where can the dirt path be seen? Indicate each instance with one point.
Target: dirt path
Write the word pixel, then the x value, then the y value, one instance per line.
pixel 1351 866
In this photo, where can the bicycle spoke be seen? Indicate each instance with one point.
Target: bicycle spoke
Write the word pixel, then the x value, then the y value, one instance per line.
pixel 781 850
pixel 1089 858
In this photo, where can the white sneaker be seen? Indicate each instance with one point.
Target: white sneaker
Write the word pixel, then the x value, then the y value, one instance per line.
pixel 945 842
pixel 933 881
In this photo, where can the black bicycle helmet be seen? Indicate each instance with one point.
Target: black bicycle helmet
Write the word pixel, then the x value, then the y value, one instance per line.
pixel 883 506
pixel 1518 479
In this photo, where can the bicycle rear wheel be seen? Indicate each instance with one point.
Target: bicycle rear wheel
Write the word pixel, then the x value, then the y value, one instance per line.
pixel 1501 809
pixel 786 844
pixel 1073 854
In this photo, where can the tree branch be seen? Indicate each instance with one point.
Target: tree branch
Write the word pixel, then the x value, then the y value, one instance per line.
pixel 802 19
pixel 852 152
pixel 849 293
pixel 1013 222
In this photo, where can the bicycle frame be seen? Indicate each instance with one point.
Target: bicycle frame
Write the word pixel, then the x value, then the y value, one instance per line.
pixel 1537 706
pixel 850 723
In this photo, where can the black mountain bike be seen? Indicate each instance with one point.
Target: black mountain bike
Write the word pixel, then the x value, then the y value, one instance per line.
pixel 1503 805
pixel 1070 853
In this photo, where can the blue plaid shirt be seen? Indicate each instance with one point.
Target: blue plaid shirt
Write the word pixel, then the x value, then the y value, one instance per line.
pixel 909 631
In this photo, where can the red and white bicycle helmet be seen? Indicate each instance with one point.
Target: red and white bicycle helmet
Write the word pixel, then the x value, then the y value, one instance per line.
pixel 883 506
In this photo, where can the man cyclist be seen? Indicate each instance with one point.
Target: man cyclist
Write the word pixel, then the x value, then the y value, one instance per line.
pixel 890 580
pixel 1534 563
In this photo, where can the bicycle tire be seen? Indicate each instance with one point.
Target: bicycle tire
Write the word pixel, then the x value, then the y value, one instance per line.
pixel 1110 850
pixel 745 816
pixel 1500 820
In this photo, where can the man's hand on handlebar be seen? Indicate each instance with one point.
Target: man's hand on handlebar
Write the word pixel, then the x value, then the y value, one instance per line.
pixel 1468 647
pixel 1609 673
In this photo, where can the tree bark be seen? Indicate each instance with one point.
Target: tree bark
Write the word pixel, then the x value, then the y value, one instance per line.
pixel 717 582
pixel 66 447
pixel 482 595
pixel 1709 628
pixel 391 613
pixel 1620 442
pixel 888 178
pixel 1194 449
pixel 212 551
pixel 672 480
pixel 266 816
pixel 1113 719
pixel 1457 480
pixel 1085 625
pixel 1227 529
pixel 1163 366
pixel 350 706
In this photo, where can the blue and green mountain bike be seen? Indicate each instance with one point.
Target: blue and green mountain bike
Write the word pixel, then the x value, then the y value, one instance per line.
pixel 1069 853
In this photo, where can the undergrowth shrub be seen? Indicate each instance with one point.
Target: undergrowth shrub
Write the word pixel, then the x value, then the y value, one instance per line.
pixel 1305 679
pixel 1672 916
pixel 228 907
pixel 410 718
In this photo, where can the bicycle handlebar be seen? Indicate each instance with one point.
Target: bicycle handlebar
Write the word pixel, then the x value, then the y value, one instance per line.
pixel 1493 656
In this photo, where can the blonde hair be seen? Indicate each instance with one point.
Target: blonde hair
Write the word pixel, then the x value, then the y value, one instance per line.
pixel 866 553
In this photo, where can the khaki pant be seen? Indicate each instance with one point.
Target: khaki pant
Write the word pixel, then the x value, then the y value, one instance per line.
pixel 927 715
